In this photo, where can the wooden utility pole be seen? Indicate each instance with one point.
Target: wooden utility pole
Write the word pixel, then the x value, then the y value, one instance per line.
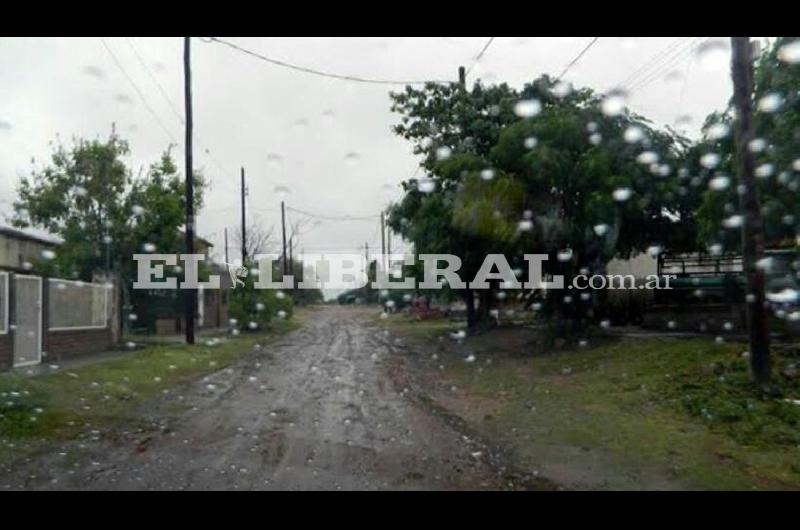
pixel 191 294
pixel 753 226
pixel 462 77
pixel 283 230
pixel 226 244
pixel 244 230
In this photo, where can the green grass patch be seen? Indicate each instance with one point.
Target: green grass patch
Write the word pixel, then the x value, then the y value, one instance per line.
pixel 65 402
pixel 679 411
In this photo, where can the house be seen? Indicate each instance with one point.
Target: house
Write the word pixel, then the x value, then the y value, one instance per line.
pixel 162 311
pixel 45 319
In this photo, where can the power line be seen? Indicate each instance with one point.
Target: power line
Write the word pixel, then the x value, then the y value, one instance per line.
pixel 670 63
pixel 313 71
pixel 172 105
pixel 138 91
pixel 643 68
pixel 578 57
pixel 334 217
pixel 480 54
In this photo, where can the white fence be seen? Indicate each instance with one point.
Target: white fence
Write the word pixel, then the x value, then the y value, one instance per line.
pixel 77 305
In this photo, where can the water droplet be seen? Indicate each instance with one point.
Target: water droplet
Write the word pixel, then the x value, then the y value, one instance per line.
pixel 565 255
pixel 595 138
pixel 149 247
pixel 282 314
pixel 710 160
pixel 137 210
pixel 715 249
pixel 719 183
pixel 426 185
pixel 281 191
pixel 647 157
pixel 622 194
pixel 734 221
pixel 790 52
pixel 718 131
pixel 443 153
pixel 562 89
pixel 530 142
pixel 527 108
pixel 280 295
pixel 654 250
pixel 757 145
pixel 713 54
pixel 633 134
pixel 770 102
pixel 614 102
pixel 48 254
pixel 525 225
pixel 487 174
pixel 601 229
pixel 765 170
pixel 470 358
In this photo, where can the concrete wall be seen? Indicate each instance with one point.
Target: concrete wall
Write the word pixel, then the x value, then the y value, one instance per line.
pixel 15 251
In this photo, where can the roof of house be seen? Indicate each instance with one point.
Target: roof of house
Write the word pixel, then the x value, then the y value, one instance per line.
pixel 15 233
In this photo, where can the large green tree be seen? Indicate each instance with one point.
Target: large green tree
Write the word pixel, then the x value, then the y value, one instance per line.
pixel 88 196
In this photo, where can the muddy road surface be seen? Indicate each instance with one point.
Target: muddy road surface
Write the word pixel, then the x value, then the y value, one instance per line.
pixel 321 408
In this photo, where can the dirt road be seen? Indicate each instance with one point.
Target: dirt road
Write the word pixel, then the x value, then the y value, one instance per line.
pixel 317 409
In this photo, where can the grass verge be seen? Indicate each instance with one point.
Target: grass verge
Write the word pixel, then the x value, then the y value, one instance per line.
pixel 63 403
pixel 632 413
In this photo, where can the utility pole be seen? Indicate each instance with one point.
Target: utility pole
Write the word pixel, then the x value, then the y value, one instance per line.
pixel 283 229
pixel 383 243
pixel 244 232
pixel 226 244
pixel 753 226
pixel 191 294
pixel 462 77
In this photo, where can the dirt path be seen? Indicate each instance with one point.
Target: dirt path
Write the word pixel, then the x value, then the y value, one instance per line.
pixel 315 410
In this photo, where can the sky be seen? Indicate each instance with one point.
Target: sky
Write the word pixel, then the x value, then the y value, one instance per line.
pixel 327 141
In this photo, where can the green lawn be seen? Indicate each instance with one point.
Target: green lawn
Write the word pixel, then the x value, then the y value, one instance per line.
pixel 65 402
pixel 625 413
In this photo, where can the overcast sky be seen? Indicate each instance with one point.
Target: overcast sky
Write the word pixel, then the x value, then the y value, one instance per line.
pixel 331 138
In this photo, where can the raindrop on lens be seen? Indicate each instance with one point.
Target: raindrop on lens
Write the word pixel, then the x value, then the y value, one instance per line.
pixel 790 52
pixel 443 153
pixel 710 160
pixel 622 194
pixel 633 134
pixel 527 108
pixel 565 255
pixel 614 102
pixel 719 183
pixel 426 185
pixel 281 191
pixel 713 54
pixel 770 103
pixel 487 174
pixel 530 142
pixel 717 131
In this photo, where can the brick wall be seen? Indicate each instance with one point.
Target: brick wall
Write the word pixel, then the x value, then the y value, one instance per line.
pixel 72 343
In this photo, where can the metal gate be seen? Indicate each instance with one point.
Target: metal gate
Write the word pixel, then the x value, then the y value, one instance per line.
pixel 28 320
